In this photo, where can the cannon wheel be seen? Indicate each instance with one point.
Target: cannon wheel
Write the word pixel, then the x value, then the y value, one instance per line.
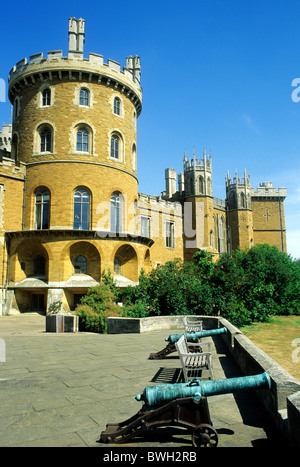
pixel 204 436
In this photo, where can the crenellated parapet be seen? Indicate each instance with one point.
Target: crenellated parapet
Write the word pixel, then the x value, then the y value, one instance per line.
pixel 74 67
pixel 267 190
pixel 197 163
pixel 159 204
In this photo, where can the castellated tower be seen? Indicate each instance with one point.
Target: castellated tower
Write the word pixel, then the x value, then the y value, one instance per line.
pixel 239 212
pixel 268 215
pixel 195 194
pixel 74 140
pixel 198 204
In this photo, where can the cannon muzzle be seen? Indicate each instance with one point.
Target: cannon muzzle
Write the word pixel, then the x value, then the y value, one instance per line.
pixel 158 395
pixel 196 335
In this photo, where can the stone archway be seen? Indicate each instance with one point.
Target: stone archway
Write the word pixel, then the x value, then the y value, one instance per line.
pixel 87 254
pixel 127 261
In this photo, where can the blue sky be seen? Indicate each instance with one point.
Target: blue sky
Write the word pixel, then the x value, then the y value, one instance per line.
pixel 216 74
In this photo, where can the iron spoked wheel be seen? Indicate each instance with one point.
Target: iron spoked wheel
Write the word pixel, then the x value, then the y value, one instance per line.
pixel 204 436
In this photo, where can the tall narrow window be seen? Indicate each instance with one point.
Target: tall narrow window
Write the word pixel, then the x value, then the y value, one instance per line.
pixel 16 108
pixel 84 97
pixel 80 265
pixel 45 140
pixel 82 143
pixel 117 106
pixel 170 240
pixel 221 235
pixel 116 213
pixel 42 209
pixel 114 147
pixel 46 97
pixel 81 210
pixel 145 226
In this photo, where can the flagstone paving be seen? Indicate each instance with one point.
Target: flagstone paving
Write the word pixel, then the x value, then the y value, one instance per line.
pixel 62 389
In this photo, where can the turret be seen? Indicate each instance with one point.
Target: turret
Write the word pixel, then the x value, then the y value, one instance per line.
pixel 76 35
pixel 198 175
pixel 239 212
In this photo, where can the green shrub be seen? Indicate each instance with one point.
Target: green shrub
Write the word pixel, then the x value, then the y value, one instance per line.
pixel 95 308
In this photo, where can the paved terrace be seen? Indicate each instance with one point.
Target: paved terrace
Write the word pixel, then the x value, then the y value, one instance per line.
pixel 60 390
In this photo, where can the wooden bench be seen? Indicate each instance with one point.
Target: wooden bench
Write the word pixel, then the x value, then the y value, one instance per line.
pixel 192 324
pixel 193 359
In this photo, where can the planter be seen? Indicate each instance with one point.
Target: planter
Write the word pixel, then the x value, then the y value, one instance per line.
pixel 61 323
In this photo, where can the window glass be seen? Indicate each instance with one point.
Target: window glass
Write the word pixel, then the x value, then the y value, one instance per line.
pixel 170 241
pixel 82 143
pixel 145 226
pixel 81 210
pixel 117 106
pixel 45 140
pixel 84 97
pixel 42 209
pixel 114 147
pixel 116 213
pixel 46 97
pixel 80 265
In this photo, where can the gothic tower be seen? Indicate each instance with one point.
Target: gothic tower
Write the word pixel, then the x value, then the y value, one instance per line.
pixel 239 212
pixel 198 204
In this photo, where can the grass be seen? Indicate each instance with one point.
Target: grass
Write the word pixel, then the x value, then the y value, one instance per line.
pixel 276 339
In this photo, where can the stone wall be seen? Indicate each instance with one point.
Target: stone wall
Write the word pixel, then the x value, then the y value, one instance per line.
pixel 281 402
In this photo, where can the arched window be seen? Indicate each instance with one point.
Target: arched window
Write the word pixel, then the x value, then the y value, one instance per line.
pixel 201 185
pixel 133 157
pixel 82 142
pixel 39 266
pixel 243 200
pixel 46 97
pixel 42 209
pixel 84 97
pixel 117 106
pixel 80 265
pixel 221 226
pixel 211 239
pixel 115 147
pixel 116 213
pixel 46 140
pixel 81 209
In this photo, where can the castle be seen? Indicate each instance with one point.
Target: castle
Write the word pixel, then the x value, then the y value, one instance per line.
pixel 69 202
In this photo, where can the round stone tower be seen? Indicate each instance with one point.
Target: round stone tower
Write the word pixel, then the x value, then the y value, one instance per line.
pixel 75 130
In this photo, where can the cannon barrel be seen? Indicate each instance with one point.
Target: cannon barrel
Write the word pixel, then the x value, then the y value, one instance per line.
pixel 196 334
pixel 163 393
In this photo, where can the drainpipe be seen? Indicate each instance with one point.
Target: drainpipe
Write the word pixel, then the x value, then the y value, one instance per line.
pixel 281 228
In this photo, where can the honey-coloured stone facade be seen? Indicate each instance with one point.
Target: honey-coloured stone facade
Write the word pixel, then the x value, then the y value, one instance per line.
pixel 70 209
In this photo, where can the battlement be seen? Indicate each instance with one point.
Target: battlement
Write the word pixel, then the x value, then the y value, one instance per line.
pixel 194 163
pixel 75 66
pixel 131 71
pixel 9 168
pixel 5 138
pixel 237 181
pixel 266 189
pixel 155 202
